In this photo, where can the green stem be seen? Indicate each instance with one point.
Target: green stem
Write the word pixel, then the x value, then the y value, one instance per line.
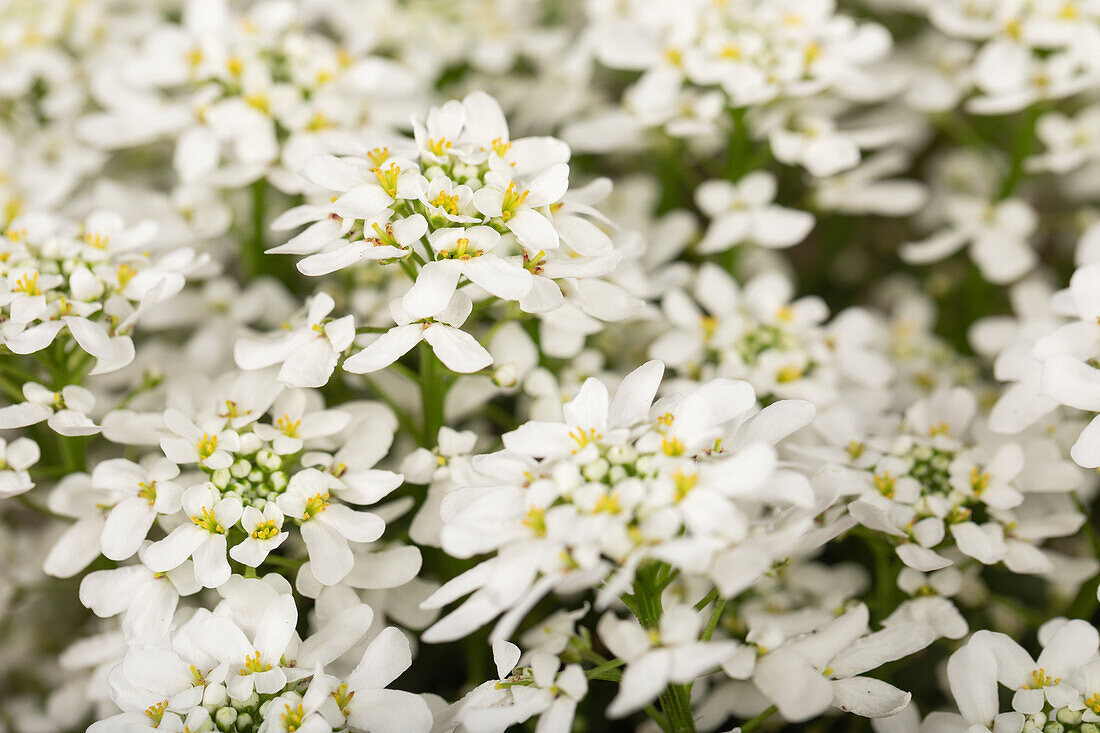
pixel 715 615
pixel 12 390
pixel 1020 150
pixel 756 722
pixel 645 602
pixel 432 392
pixel 253 256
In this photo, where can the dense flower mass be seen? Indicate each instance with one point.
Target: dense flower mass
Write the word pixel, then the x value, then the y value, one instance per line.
pixel 413 366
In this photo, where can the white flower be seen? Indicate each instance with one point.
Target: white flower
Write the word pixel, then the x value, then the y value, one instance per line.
pixel 541 687
pixel 996 232
pixel 15 458
pixel 364 699
pixel 326 526
pixel 808 674
pixel 673 653
pixel 367 191
pixel 745 212
pixel 308 353
pixel 264 529
pixel 867 189
pixel 458 350
pixel 463 251
pixel 143 492
pixel 518 205
pixel 201 536
pixel 294 425
pixel 146 600
pixel 256 664
pixel 64 411
pixel 208 444
pixel 387 241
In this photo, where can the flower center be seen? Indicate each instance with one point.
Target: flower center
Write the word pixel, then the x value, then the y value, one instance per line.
pixel 208 521
pixel 207 445
pixel 265 530
pixel 253 663
pixel 316 504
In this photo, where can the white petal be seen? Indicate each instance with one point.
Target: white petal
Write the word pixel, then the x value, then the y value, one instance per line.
pixel 432 291
pixel 459 351
pixel 385 350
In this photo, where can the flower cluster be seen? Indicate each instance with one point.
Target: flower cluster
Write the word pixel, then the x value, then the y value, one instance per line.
pixel 378 366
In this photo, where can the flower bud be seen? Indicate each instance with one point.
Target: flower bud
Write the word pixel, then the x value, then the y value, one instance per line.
pixel 225 718
pixel 268 460
pixel 1069 717
pixel 506 375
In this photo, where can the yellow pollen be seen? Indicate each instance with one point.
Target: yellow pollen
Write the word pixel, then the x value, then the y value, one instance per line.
pixel 536 521
pixel 253 663
pixel 288 426
pixel 342 696
pixel 445 202
pixel 265 530
pixel 316 504
pixel 198 676
pixel 582 438
pixel 1093 702
pixel 378 156
pixel 940 428
pixel 259 101
pixel 208 521
pixel 234 65
pixel 684 483
pixel 1041 679
pixel 148 491
pixel 318 122
pixel 156 712
pixel 97 240
pixel 125 275
pixel 608 503
pixel 979 481
pixel 512 201
pixel 388 178
pixel 207 445
pixel 672 446
pixel 437 147
pixel 28 284
pixel 500 147
pixel 785 313
pixel 788 374
pixel 885 484
pixel 709 324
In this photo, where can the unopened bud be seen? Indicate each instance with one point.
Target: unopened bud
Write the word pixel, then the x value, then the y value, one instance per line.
pixel 1069 717
pixel 506 375
pixel 225 718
